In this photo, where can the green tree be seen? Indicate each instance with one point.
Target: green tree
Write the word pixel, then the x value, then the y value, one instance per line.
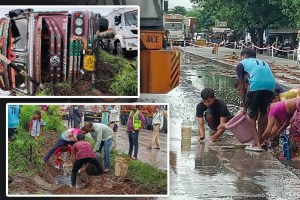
pixel 291 8
pixel 179 10
pixel 253 15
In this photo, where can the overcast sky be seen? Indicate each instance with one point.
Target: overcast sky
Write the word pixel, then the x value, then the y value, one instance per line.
pixel 185 3
pixel 104 10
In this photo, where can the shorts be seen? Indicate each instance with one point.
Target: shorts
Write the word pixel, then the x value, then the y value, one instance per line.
pixel 216 120
pixel 258 102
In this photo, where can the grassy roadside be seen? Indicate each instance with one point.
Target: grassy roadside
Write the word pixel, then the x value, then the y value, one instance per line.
pixel 145 175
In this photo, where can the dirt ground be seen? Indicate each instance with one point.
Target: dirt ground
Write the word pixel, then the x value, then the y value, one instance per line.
pixel 44 182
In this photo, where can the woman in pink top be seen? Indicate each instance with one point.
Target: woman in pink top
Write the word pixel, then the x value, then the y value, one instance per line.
pixel 279 117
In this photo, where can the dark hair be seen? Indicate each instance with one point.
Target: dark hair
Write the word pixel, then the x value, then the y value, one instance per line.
pixel 89 124
pixel 207 93
pixel 84 129
pixel 249 52
pixel 37 112
pixel 80 137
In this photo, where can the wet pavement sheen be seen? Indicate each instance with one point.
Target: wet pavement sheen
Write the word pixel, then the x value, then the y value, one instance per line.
pixel 220 170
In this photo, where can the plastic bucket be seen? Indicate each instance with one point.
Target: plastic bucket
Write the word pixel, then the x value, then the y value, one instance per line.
pixel 121 166
pixel 240 129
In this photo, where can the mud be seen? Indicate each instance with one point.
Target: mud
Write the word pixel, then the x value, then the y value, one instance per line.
pixel 47 181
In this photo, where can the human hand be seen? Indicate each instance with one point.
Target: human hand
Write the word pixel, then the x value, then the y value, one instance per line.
pixel 201 138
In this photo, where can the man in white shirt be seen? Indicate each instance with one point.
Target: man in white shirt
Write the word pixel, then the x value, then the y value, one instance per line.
pixel 114 123
pixel 157 123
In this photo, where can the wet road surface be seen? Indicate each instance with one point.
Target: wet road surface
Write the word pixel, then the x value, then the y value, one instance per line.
pixel 220 170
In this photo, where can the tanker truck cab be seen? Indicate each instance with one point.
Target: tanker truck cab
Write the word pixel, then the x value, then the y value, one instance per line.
pixel 122 36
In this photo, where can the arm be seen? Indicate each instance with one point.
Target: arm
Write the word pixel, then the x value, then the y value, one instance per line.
pixel 98 142
pixel 241 85
pixel 201 128
pixel 267 132
pixel 161 116
pixel 142 118
pixel 220 129
pixel 283 127
pixel 41 128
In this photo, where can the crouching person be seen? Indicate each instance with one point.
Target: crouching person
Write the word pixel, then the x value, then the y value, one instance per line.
pixel 83 153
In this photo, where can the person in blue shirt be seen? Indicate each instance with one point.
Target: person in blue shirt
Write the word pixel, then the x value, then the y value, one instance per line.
pixel 105 114
pixel 13 120
pixel 259 94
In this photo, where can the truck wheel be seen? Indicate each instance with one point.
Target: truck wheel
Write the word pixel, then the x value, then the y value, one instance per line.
pixel 111 48
pixel 120 51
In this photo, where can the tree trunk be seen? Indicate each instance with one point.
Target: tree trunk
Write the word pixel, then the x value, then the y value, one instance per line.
pixel 260 40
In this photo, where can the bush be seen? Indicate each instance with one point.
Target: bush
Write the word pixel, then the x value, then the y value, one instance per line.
pixel 25 153
pixel 125 83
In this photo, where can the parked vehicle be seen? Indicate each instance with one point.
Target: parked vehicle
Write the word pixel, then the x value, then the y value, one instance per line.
pixel 121 37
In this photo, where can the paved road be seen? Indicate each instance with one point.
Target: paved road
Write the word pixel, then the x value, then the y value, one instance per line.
pixel 222 170
pixel 205 52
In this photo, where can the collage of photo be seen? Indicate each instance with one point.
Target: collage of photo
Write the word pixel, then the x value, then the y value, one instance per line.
pixel 150 99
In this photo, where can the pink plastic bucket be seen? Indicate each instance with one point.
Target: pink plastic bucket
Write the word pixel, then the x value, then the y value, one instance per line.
pixel 240 129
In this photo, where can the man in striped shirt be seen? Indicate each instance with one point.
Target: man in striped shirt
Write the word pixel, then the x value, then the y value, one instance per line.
pixel 83 153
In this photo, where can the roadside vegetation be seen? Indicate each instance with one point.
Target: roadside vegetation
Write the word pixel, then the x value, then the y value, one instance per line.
pixel 25 153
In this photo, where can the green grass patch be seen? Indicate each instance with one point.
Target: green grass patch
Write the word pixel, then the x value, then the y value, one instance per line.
pixel 145 175
pixel 125 80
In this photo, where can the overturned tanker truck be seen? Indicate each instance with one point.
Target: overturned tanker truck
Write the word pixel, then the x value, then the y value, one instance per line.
pixel 46 47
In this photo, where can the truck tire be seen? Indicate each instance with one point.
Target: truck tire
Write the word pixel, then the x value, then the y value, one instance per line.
pixel 111 48
pixel 120 51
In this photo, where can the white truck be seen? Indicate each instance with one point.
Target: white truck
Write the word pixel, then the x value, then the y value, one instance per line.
pixel 121 38
pixel 177 26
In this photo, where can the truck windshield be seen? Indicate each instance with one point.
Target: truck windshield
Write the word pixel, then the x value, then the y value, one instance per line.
pixel 173 26
pixel 130 18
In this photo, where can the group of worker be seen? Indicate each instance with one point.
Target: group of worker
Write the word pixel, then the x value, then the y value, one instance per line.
pixel 268 108
pixel 104 135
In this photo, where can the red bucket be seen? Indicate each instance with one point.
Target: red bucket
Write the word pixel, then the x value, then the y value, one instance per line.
pixel 240 129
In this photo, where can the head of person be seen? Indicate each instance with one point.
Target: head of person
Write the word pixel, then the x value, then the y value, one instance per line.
pixel 84 130
pixel 248 53
pixel 89 126
pixel 80 137
pixel 134 107
pixel 156 108
pixel 37 114
pixel 276 97
pixel 208 97
pixel 64 148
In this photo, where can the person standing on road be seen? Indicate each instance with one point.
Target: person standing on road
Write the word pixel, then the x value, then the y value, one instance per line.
pixel 67 137
pixel 77 116
pixel 114 117
pixel 102 134
pixel 215 113
pixel 70 117
pixel 157 124
pixel 13 120
pixel 105 114
pixel 258 96
pixel 136 121
pixel 83 153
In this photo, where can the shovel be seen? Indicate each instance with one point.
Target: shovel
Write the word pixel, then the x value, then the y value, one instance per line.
pixel 19 70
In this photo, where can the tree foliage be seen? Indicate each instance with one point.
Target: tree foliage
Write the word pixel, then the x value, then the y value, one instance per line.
pixel 252 15
pixel 178 10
